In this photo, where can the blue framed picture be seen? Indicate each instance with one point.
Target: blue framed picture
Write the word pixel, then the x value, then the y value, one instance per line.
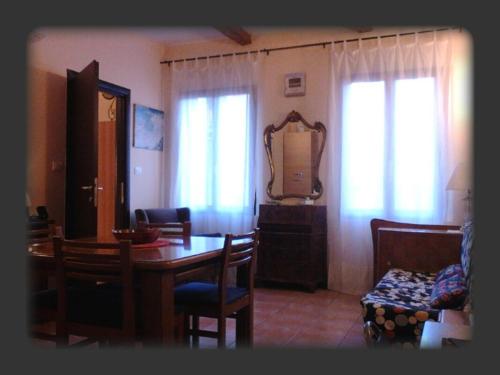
pixel 148 128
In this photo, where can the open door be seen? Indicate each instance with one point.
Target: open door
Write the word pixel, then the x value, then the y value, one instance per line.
pixel 97 157
pixel 81 152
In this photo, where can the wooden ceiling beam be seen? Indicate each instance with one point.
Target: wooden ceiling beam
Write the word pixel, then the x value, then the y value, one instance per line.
pixel 238 34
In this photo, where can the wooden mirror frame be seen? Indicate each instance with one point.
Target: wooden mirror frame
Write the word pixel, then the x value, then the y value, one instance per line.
pixel 268 132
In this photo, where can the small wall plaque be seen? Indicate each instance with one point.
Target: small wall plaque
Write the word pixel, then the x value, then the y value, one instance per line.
pixel 295 84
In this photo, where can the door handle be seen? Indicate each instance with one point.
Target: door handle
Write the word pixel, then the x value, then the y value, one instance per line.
pixel 88 187
pixel 95 192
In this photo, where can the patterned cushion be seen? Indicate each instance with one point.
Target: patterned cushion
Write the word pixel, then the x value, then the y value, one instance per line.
pixel 449 293
pixel 466 250
pixel 449 271
pixel 400 304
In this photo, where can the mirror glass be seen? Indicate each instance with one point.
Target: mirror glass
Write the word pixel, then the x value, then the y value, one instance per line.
pixel 294 150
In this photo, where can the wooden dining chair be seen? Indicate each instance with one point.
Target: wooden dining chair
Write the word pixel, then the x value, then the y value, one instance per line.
pixel 44 234
pixel 220 300
pixel 42 314
pixel 109 311
pixel 103 311
pixel 171 230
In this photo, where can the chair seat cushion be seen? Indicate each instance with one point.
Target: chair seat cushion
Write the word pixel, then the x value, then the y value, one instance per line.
pixel 400 304
pixel 205 293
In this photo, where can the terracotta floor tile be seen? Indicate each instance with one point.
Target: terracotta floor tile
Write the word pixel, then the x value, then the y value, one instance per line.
pixel 313 339
pixel 334 311
pixel 310 308
pixel 269 306
pixel 207 323
pixel 353 340
pixel 332 324
pixel 316 299
pixel 270 334
pixel 291 318
pixel 261 316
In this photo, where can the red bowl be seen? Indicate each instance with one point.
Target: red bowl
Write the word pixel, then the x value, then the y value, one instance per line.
pixel 137 236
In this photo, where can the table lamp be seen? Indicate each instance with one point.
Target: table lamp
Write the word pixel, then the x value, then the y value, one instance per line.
pixel 460 181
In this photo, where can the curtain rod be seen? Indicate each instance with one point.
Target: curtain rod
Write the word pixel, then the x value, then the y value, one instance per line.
pixel 324 44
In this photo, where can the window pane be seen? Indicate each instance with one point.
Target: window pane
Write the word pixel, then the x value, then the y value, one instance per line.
pixel 214 152
pixel 193 149
pixel 232 151
pixel 363 147
pixel 414 146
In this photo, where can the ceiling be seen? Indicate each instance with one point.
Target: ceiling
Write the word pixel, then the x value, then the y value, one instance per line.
pixel 179 35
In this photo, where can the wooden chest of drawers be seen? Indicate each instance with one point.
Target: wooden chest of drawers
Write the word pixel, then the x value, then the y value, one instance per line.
pixel 292 247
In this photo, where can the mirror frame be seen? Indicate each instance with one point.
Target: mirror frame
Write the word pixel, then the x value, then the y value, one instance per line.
pixel 268 132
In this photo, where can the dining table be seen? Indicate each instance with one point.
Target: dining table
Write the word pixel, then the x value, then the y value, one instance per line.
pixel 157 267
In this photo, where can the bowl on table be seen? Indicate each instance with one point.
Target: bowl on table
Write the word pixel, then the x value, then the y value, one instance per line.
pixel 137 236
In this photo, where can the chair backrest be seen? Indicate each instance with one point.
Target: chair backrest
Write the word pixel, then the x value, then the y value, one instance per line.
pixel 177 230
pixel 95 262
pixel 162 215
pixel 375 224
pixel 45 234
pixel 239 252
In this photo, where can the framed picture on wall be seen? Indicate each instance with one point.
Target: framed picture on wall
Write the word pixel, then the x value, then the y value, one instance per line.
pixel 148 128
pixel 295 84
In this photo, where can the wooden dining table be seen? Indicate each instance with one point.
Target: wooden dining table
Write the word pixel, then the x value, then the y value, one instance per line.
pixel 156 269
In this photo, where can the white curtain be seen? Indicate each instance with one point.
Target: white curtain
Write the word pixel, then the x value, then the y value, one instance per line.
pixel 212 134
pixel 388 142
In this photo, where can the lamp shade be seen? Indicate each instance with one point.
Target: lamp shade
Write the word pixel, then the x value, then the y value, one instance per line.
pixel 460 178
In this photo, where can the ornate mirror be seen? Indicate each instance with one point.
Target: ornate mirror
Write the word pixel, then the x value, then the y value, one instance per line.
pixel 294 151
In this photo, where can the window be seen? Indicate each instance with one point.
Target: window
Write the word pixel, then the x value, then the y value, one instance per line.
pixel 389 148
pixel 214 160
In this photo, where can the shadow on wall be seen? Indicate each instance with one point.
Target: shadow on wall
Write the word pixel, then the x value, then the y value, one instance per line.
pixel 47 142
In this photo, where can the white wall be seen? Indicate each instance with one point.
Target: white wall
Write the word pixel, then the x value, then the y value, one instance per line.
pixel 124 59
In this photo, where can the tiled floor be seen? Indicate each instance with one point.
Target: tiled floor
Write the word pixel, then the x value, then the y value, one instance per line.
pixel 291 318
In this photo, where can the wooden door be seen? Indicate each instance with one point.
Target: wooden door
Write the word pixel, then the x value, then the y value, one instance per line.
pixel 81 152
pixel 116 156
pixel 106 178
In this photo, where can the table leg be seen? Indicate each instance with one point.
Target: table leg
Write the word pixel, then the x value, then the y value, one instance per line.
pixel 158 308
pixel 168 308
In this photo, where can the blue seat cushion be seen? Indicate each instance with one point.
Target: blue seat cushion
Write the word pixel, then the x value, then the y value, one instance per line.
pixel 205 293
